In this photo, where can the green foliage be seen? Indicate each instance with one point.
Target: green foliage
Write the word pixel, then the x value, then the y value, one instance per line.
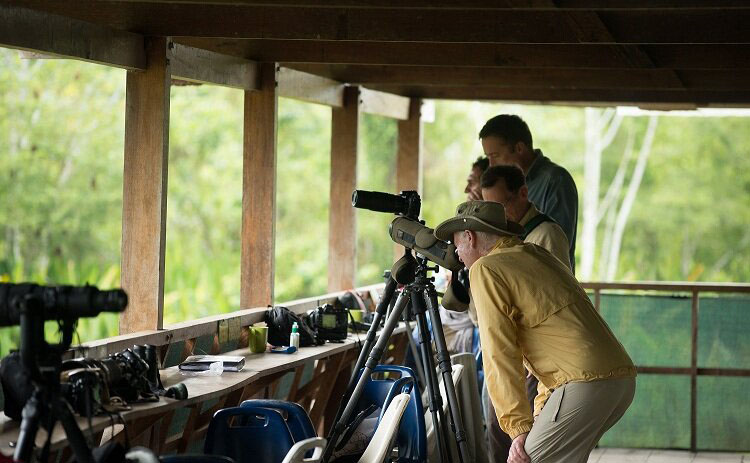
pixel 61 139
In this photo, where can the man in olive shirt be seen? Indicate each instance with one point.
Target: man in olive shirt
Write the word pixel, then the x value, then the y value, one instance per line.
pixel 506 140
pixel 533 312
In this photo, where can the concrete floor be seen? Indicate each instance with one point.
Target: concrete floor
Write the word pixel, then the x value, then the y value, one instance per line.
pixel 607 455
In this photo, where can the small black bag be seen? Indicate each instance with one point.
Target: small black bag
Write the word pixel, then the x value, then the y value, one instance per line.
pixel 279 320
pixel 16 382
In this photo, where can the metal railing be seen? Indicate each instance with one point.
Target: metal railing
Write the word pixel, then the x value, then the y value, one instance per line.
pixel 694 289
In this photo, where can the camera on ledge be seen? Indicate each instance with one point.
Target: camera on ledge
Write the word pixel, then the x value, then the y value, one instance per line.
pixel 329 323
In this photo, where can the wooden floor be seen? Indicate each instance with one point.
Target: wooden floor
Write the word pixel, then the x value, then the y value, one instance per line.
pixel 602 455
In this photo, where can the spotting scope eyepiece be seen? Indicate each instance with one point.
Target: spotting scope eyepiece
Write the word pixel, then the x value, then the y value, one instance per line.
pixel 420 238
pixel 58 302
pixel 407 203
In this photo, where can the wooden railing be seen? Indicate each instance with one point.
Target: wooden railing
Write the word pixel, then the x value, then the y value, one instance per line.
pixel 694 289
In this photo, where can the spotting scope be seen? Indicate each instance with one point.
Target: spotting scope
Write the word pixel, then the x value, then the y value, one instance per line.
pixel 406 229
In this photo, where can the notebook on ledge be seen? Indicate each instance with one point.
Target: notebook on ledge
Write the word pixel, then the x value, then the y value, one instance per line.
pixel 202 362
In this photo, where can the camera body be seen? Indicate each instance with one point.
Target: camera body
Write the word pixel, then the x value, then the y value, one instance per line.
pixel 330 323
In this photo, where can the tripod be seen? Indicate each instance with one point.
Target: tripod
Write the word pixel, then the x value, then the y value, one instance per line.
pixel 421 292
pixel 46 404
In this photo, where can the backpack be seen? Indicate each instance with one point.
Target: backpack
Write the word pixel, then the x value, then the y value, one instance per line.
pixel 279 320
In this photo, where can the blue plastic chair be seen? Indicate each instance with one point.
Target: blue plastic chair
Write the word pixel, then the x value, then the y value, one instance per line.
pixel 249 435
pixel 295 416
pixel 411 437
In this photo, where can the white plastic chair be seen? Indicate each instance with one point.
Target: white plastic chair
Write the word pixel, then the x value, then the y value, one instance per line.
pixel 432 444
pixel 382 442
pixel 296 454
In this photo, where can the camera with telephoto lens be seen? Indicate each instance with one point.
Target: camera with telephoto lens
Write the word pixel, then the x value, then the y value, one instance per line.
pixel 132 375
pixel 329 323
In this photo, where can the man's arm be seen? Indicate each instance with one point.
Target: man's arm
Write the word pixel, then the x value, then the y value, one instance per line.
pixel 503 363
pixel 561 203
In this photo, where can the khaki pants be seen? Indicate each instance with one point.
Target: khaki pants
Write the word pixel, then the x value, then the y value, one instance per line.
pixel 575 417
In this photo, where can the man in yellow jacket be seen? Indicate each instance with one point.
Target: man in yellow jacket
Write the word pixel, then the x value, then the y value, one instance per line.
pixel 533 312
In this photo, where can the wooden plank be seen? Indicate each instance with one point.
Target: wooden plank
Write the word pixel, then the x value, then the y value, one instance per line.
pixel 483 4
pixel 409 156
pixel 342 218
pixel 208 67
pixel 311 88
pixel 633 26
pixel 568 96
pixel 671 286
pixel 594 56
pixel 559 78
pixel 384 104
pixel 259 191
pixel 70 38
pixel 144 211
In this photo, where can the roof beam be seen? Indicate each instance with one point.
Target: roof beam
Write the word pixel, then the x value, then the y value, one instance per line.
pixel 478 4
pixel 208 67
pixel 594 56
pixel 384 104
pixel 55 35
pixel 311 88
pixel 664 79
pixel 627 97
pixel 635 26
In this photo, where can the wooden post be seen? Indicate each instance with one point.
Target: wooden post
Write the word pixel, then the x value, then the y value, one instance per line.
pixel 144 209
pixel 694 372
pixel 409 156
pixel 259 191
pixel 342 223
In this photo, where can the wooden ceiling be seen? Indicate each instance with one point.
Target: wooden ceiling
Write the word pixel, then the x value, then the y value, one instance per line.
pixel 666 53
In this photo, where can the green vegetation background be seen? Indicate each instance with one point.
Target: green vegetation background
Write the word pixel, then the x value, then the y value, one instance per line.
pixel 61 160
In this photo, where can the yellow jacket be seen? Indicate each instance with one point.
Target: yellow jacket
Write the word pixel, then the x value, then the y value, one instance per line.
pixel 533 312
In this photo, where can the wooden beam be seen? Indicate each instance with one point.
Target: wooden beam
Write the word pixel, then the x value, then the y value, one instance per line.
pixel 311 88
pixel 384 104
pixel 595 56
pixel 51 34
pixel 208 67
pixel 482 4
pixel 409 155
pixel 655 79
pixel 342 219
pixel 259 191
pixel 738 98
pixel 144 198
pixel 541 26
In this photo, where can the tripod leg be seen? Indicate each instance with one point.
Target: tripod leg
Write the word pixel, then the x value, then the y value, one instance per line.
pixel 433 388
pixel 446 369
pixel 32 414
pixel 372 361
pixel 73 432
pixel 414 352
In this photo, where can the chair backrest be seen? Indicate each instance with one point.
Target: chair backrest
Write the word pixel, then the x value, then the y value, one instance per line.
pixel 296 417
pixel 382 442
pixel 411 437
pixel 432 443
pixel 297 453
pixel 195 458
pixel 249 435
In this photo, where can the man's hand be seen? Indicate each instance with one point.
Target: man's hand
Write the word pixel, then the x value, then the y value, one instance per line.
pixel 517 454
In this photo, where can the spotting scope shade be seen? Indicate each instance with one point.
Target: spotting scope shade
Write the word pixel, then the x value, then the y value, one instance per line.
pixel 418 237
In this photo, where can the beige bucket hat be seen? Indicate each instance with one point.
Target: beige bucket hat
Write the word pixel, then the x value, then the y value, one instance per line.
pixel 485 216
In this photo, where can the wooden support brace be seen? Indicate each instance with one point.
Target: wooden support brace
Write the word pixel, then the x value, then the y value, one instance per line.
pixel 409 156
pixel 144 211
pixel 342 230
pixel 259 192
